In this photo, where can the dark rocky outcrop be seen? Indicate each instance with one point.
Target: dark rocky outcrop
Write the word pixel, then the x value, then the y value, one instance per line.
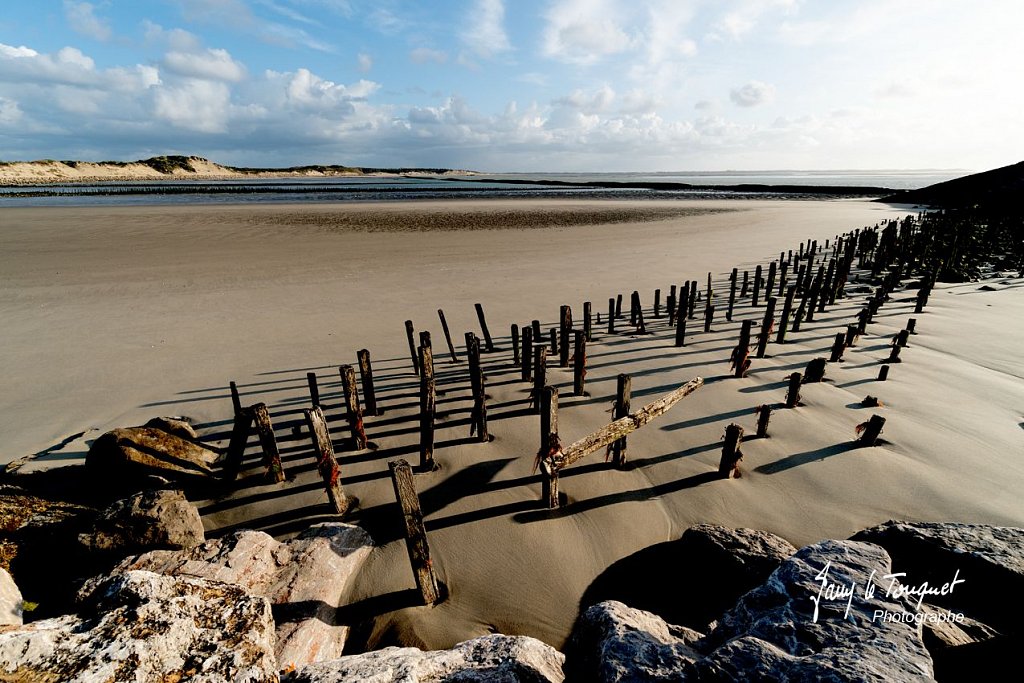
pixel 1000 187
pixel 147 521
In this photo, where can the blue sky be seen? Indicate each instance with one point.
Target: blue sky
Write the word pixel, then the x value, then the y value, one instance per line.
pixel 527 85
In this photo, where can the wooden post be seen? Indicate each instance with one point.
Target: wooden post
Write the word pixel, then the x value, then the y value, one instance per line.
pixel 588 329
pixel 428 408
pixel 366 376
pixel 883 373
pixel 911 327
pixel 657 303
pixel 800 278
pixel 549 444
pixel 871 430
pixel 793 393
pixel 611 316
pixel 354 415
pixel 579 373
pixel 271 454
pixel 684 298
pixel 424 341
pixel 902 338
pixel 236 400
pixel 527 353
pixel 732 294
pixel 766 326
pixel 641 326
pixel 478 419
pixel 236 447
pixel 851 336
pixel 515 344
pixel 415 531
pixel 623 391
pixel 536 332
pixel 553 337
pixel 447 336
pixel 894 355
pixel 815 371
pixel 483 328
pixel 757 286
pixel 764 414
pixel 709 315
pixel 741 354
pixel 799 317
pixel 326 463
pixel 410 335
pixel 838 346
pixel 618 305
pixel 815 293
pixel 565 330
pixel 693 298
pixel 746 283
pixel 670 308
pixel 729 464
pixel 540 375
pixel 634 304
pixel 314 389
pixel 787 313
pixel 782 277
pixel 826 286
pixel 862 320
pixel 770 285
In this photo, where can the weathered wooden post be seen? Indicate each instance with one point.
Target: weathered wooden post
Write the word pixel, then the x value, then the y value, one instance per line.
pixel 641 326
pixel 415 531
pixel 353 414
pixel 549 444
pixel 565 329
pixel 588 330
pixel 366 377
pixel 766 326
pixel 894 355
pixel 693 299
pixel 537 337
pixel 787 313
pixel 618 305
pixel 757 286
pixel 883 373
pixel 314 389
pixel 579 364
pixel 911 327
pixel 732 294
pixel 870 430
pixel 782 277
pixel 740 354
pixel 815 294
pixel 237 444
pixel 553 340
pixel 483 328
pixel 729 464
pixel 862 320
pixel 540 375
pixel 670 307
pixel 623 391
pixel 815 371
pixel 799 317
pixel 770 285
pixel 271 454
pixel 634 304
pixel 746 283
pixel 684 298
pixel 793 393
pixel 428 408
pixel 515 345
pixel 527 353
pixel 838 346
pixel 410 335
pixel 326 463
pixel 236 400
pixel 657 303
pixel 447 336
pixel 764 414
pixel 851 336
pixel 709 315
pixel 611 316
pixel 800 278
pixel 902 338
pixel 478 419
pixel 826 286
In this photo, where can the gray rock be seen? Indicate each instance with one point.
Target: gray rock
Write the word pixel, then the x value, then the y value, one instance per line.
pixel 145 627
pixel 10 600
pixel 173 425
pixel 771 633
pixel 147 450
pixel 488 659
pixel 305 579
pixel 147 521
pixel 989 559
pixel 613 642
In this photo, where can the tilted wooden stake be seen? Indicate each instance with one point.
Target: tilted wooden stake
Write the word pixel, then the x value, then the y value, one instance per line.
pixel 527 353
pixel 618 305
pixel 353 414
pixel 236 400
pixel 838 346
pixel 871 430
pixel 732 294
pixel 764 415
pixel 411 336
pixel 415 531
pixel 366 376
pixel 693 299
pixel 621 427
pixel 623 392
pixel 793 394
pixel 641 327
pixel 782 277
pixel 236 447
pixel 766 326
pixel 326 463
pixel 787 313
pixel 579 373
pixel 549 445
pixel 565 330
pixel 883 373
pixel 729 464
pixel 447 336
pixel 428 407
pixel 314 390
pixel 770 284
pixel 271 454
pixel 478 418
pixel 483 328
pixel 851 336
pixel 902 338
pixel 709 316
pixel 741 354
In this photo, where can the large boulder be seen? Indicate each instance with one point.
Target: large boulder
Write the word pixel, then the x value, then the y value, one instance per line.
pixel 612 642
pixel 173 425
pixel 142 451
pixel 11 602
pixel 777 632
pixel 306 579
pixel 488 659
pixel 724 563
pixel 147 521
pixel 145 627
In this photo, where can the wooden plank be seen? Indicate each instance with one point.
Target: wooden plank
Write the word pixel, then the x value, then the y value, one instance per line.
pixel 366 377
pixel 326 463
pixel 271 454
pixel 415 531
pixel 353 414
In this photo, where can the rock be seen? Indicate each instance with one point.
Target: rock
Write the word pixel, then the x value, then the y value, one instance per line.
pixel 940 633
pixel 772 634
pixel 613 642
pixel 10 600
pixel 147 521
pixel 488 659
pixel 173 425
pixel 717 563
pixel 141 626
pixel 989 559
pixel 305 579
pixel 148 450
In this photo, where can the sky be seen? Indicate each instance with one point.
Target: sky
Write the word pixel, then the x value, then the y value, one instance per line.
pixel 518 85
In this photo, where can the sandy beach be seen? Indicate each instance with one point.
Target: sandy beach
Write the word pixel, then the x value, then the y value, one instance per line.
pixel 112 316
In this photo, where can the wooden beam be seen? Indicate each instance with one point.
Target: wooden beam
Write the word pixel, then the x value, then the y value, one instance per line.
pixel 366 376
pixel 271 454
pixel 326 463
pixel 483 327
pixel 352 412
pixel 415 531
pixel 447 336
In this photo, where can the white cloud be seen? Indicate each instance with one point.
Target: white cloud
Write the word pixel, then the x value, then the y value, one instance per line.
pixel 82 20
pixel 210 64
pixel 422 55
pixel 584 31
pixel 752 94
pixel 484 33
pixel 597 101
pixel 194 104
pixel 365 62
pixel 746 15
pixel 10 112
